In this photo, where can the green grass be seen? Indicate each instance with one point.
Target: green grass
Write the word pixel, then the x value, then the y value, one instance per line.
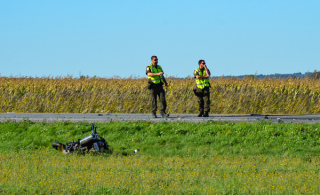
pixel 174 158
pixel 178 138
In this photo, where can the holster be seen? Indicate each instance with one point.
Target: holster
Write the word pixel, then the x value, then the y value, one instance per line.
pixel 150 85
pixel 195 92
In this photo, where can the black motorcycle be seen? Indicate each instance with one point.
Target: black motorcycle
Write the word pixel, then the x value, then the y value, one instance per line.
pixel 91 143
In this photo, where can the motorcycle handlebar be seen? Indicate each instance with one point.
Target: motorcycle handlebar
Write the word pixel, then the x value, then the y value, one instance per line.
pixel 94 127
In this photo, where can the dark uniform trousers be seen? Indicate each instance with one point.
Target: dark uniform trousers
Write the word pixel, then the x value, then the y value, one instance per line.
pixel 157 90
pixel 203 99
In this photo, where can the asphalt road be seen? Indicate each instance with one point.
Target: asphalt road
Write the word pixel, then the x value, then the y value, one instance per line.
pixel 41 117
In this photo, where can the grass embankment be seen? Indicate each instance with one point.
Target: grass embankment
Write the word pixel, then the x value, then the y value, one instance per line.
pixel 177 158
pixel 100 95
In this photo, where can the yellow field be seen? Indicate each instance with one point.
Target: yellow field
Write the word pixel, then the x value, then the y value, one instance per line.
pixel 44 172
pixel 101 95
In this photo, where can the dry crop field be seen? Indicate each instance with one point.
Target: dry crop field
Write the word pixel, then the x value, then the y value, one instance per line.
pixel 113 95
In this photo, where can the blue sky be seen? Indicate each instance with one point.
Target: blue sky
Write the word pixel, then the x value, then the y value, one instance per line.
pixel 108 38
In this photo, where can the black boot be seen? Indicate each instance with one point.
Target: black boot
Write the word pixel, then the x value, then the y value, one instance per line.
pixel 200 114
pixel 154 115
pixel 206 114
pixel 163 114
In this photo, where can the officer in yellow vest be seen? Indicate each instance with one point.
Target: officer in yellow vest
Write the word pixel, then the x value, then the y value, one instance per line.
pixel 155 82
pixel 202 75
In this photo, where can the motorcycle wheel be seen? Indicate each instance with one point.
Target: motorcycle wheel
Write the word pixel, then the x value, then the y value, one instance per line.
pixel 65 152
pixel 58 146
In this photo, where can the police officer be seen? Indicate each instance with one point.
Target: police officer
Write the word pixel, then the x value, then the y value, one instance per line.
pixel 155 82
pixel 202 75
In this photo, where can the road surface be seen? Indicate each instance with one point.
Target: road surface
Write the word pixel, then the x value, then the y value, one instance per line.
pixel 42 117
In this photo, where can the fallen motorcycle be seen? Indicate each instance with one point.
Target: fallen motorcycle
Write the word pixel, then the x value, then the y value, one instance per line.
pixel 91 143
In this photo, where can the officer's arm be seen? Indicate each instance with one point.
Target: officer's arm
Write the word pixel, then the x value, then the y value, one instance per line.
pixel 149 73
pixel 164 80
pixel 202 77
pixel 207 71
pixel 155 74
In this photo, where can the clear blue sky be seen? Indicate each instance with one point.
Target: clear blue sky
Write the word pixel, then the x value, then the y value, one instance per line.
pixel 107 38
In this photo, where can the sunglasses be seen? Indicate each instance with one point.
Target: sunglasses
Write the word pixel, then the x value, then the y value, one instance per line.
pixel 203 63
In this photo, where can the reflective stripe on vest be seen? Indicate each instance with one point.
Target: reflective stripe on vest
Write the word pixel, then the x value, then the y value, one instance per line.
pixel 201 83
pixel 155 79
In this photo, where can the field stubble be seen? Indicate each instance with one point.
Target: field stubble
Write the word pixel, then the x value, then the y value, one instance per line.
pixel 46 172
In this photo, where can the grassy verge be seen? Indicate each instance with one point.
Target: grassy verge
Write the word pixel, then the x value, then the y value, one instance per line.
pixel 175 158
pixel 169 139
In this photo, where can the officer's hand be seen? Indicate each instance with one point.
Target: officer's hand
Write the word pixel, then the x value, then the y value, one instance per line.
pixel 160 73
pixel 166 84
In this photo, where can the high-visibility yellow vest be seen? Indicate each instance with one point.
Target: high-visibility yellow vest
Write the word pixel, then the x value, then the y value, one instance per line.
pixel 155 79
pixel 201 83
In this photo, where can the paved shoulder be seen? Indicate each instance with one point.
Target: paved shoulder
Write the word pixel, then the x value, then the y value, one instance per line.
pixel 40 117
